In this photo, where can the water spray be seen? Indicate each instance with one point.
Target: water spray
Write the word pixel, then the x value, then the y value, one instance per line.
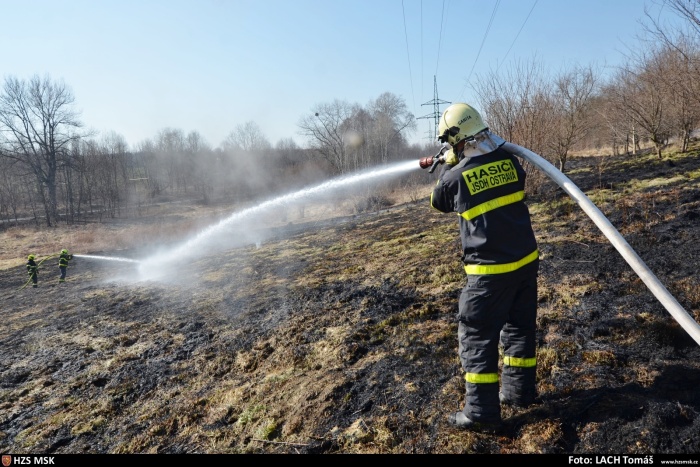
pixel 616 239
pixel 107 258
pixel 191 246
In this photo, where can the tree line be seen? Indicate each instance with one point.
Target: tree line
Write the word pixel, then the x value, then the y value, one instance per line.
pixel 54 170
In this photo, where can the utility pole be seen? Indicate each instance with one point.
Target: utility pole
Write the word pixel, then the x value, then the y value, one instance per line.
pixel 435 115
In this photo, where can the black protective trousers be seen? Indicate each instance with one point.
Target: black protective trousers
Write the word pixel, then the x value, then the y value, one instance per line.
pixel 498 309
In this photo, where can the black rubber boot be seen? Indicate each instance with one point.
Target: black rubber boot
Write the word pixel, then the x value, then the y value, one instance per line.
pixel 461 421
pixel 517 404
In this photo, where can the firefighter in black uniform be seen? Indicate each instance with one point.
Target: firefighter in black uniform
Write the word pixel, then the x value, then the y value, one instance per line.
pixel 484 185
pixel 32 270
pixel 63 259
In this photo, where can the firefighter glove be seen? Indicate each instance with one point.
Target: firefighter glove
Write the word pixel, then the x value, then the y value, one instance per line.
pixel 451 158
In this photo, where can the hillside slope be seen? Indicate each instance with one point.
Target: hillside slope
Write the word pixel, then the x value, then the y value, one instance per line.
pixel 341 338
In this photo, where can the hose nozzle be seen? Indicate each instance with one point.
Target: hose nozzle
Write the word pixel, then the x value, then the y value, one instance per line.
pixel 426 162
pixel 433 161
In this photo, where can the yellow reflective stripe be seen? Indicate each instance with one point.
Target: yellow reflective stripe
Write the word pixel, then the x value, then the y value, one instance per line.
pixel 480 378
pixel 501 268
pixel 520 362
pixel 493 204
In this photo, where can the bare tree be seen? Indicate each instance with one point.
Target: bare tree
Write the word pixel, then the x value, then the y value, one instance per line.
pixel 361 127
pixel 516 104
pixel 350 137
pixel 113 150
pixel 683 37
pixel 681 45
pixel 573 93
pixel 153 173
pixel 199 163
pixel 87 161
pixel 637 92
pixel 170 149
pixel 247 137
pixel 391 117
pixel 609 125
pixel 289 155
pixel 37 125
pixel 500 103
pixel 680 82
pixel 328 129
pixel 687 10
pixel 10 190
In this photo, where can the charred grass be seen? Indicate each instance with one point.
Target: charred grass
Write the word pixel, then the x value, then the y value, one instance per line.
pixel 339 337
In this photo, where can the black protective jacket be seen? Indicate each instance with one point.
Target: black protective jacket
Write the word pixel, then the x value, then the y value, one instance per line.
pixel 63 260
pixel 32 267
pixel 487 191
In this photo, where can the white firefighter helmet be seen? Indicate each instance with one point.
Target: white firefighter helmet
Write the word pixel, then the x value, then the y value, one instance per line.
pixel 459 121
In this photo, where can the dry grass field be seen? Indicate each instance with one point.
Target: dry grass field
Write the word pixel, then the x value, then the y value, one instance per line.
pixel 335 333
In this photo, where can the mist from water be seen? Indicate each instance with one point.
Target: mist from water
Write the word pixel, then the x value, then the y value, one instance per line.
pixel 167 260
pixel 107 258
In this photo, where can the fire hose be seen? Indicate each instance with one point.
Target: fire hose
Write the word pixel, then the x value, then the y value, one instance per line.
pixel 616 239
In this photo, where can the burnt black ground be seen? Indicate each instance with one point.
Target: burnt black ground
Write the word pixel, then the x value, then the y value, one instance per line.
pixel 339 338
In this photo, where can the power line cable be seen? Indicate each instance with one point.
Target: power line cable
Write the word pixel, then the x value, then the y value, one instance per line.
pixel 408 53
pixel 517 35
pixel 442 21
pixel 488 28
pixel 435 102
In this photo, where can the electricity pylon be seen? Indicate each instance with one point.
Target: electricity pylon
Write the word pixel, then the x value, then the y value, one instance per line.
pixel 435 115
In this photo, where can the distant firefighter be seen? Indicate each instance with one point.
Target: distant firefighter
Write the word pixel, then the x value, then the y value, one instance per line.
pixel 32 270
pixel 63 264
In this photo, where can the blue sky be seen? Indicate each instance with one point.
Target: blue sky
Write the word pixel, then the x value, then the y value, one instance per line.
pixel 137 67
